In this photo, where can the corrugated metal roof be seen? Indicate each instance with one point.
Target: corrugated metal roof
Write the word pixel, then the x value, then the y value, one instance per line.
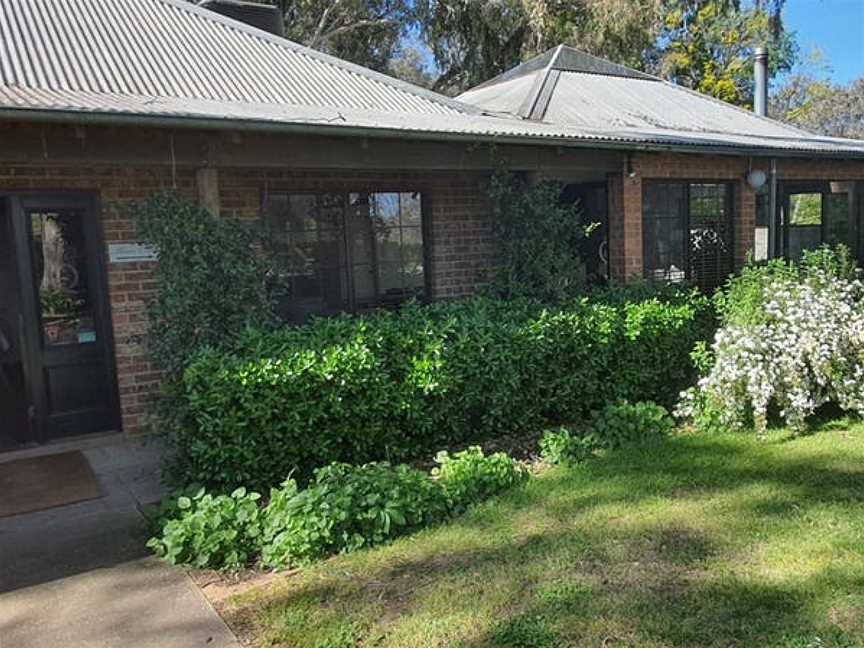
pixel 90 106
pixel 164 61
pixel 567 88
pixel 170 48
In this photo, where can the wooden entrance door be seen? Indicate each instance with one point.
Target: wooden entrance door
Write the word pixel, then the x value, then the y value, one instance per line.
pixel 66 334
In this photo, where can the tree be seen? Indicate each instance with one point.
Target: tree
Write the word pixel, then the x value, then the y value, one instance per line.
pixel 474 40
pixel 708 45
pixel 808 99
pixel 411 66
pixel 367 32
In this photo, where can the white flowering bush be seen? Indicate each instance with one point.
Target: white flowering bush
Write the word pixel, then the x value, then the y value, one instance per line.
pixel 793 341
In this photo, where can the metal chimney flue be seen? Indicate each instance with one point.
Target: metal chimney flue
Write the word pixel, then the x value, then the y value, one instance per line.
pixel 760 74
pixel 256 14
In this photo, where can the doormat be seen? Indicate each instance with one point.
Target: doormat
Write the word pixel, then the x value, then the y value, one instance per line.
pixel 39 483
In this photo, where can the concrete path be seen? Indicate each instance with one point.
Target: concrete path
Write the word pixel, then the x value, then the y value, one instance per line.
pixel 79 575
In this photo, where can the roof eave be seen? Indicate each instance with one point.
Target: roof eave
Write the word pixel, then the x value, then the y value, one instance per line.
pixel 268 126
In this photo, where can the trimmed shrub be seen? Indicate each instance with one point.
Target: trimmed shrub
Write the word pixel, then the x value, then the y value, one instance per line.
pixel 470 476
pixel 396 385
pixel 346 508
pixel 561 446
pixel 220 531
pixel 629 424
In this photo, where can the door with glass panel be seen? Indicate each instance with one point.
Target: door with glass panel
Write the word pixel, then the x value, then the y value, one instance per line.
pixel 64 326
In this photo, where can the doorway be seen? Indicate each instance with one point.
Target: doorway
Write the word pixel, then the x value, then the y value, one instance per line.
pixel 592 200
pixel 57 373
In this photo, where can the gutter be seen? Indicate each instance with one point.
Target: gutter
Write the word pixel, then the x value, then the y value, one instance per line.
pixel 200 123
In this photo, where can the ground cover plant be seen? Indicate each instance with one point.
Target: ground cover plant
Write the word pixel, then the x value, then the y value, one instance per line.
pixel 343 509
pixel 708 540
pixel 397 385
pixel 791 341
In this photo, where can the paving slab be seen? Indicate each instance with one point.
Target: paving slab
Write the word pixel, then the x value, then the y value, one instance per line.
pixel 79 576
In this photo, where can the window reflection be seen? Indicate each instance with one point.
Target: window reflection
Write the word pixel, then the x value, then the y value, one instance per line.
pixel 61 277
pixel 350 251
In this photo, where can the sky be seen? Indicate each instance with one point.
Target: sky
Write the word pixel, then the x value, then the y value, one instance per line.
pixel 834 26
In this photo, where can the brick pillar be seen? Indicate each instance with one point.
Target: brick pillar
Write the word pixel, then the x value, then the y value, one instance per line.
pixel 745 222
pixel 625 225
pixel 632 211
pixel 615 196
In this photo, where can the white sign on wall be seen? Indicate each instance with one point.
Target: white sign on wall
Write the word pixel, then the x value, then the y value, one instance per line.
pixel 131 253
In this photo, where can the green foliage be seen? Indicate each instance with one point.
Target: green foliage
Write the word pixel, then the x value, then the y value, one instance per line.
pixel 346 508
pixel 743 298
pixel 396 385
pixel 562 446
pixel 470 476
pixel 475 40
pixel 709 47
pixel 809 99
pixel 209 283
pixel 538 240
pixel 630 424
pixel 366 32
pixel 203 530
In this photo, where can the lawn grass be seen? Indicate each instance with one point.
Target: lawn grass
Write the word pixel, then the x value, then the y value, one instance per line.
pixel 703 540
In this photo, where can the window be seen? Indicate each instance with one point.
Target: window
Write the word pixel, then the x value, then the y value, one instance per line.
pixel 805 222
pixel 817 213
pixel 687 232
pixel 347 251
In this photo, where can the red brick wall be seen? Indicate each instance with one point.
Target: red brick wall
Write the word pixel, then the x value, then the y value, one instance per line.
pixel 460 232
pixel 461 244
pixel 626 200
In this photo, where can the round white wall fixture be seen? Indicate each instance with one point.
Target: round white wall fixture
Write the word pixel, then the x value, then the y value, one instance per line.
pixel 756 178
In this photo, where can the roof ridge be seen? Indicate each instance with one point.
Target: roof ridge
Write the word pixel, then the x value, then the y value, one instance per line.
pixel 529 106
pixel 379 77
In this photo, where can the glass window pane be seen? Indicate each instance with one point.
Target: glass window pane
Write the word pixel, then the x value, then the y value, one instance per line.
pixel 62 279
pixel 710 236
pixel 838 222
pixel 365 290
pixel 805 209
pixel 663 231
pixel 309 241
pixel 385 209
pixel 411 209
pixel 803 237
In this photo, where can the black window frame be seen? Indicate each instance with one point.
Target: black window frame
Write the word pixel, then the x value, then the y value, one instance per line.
pixel 686 184
pixel 346 266
pixel 823 187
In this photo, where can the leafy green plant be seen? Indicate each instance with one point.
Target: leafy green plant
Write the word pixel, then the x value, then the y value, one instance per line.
pixel 210 281
pixel 470 476
pixel 627 424
pixel 346 508
pixel 397 385
pixel 221 531
pixel 561 445
pixel 538 240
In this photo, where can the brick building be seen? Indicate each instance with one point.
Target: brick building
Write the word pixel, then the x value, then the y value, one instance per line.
pixel 376 188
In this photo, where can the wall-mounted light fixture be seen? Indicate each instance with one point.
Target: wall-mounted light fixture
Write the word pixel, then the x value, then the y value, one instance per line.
pixel 756 179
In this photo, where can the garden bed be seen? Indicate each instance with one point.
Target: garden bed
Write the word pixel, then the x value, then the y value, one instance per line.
pixel 702 540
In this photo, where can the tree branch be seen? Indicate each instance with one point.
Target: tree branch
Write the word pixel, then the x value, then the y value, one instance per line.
pixel 359 24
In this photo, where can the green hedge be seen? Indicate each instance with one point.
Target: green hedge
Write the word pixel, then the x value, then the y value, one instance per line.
pixel 395 385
